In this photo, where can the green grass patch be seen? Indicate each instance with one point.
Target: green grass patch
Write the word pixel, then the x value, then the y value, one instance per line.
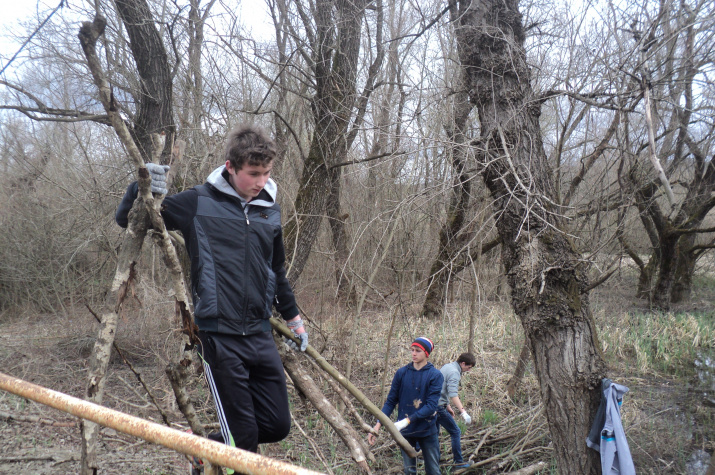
pixel 489 417
pixel 666 342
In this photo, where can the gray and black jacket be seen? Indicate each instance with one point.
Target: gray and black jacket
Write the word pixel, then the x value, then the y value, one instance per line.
pixel 236 250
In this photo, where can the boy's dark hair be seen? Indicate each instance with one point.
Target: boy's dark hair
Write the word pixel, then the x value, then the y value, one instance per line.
pixel 248 144
pixel 467 358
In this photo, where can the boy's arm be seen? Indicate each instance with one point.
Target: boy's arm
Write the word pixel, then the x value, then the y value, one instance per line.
pixel 122 215
pixel 285 299
pixel 176 210
pixel 393 396
pixel 452 382
pixel 390 402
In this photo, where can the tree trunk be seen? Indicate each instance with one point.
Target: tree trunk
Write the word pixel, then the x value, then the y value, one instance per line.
pixel 646 277
pixel 335 73
pixel 543 268
pixel 450 244
pixel 684 272
pixel 513 384
pixel 154 113
pixel 668 263
pixel 124 279
pixel 340 236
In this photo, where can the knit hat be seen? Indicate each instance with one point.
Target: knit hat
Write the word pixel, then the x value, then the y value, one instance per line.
pixel 424 343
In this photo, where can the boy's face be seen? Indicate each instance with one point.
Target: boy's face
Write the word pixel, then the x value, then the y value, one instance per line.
pixel 249 180
pixel 465 367
pixel 418 355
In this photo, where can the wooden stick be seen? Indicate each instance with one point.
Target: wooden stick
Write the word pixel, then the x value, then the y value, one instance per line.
pixel 35 419
pixel 282 329
pixel 531 469
pixel 215 452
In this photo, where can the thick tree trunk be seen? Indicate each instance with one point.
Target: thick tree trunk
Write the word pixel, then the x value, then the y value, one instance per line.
pixel 543 268
pixel 154 113
pixel 668 263
pixel 684 272
pixel 646 277
pixel 340 236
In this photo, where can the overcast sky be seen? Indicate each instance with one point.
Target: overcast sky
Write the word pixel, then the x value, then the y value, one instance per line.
pixel 14 11
pixel 252 12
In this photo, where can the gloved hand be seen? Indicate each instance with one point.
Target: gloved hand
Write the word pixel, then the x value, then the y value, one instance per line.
pixel 467 418
pixel 296 325
pixel 158 177
pixel 402 423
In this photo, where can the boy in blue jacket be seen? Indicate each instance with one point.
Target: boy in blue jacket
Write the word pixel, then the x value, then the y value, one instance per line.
pixel 415 391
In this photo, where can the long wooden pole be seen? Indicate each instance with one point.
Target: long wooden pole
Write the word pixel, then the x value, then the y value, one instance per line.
pixel 279 326
pixel 219 454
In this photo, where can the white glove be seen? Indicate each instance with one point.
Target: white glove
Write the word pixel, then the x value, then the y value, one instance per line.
pixel 303 336
pixel 158 177
pixel 467 418
pixel 402 424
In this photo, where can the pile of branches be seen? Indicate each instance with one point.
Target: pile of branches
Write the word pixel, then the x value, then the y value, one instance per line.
pixel 519 443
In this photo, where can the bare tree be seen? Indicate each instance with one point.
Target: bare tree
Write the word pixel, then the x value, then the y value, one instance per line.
pixel 678 139
pixel 153 116
pixel 332 52
pixel 543 268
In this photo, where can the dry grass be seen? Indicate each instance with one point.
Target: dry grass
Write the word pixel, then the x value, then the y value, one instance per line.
pixel 650 353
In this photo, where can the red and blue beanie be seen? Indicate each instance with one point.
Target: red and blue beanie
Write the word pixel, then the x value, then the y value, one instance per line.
pixel 424 343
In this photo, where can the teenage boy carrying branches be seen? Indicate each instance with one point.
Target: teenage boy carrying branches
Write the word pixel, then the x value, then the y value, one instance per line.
pixel 415 391
pixel 232 228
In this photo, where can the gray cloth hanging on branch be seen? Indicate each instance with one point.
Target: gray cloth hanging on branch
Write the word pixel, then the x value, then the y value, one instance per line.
pixel 607 435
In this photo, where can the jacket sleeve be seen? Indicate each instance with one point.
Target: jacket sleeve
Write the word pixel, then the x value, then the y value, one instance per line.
pixel 177 210
pixel 284 300
pixel 432 397
pixel 394 395
pixel 122 215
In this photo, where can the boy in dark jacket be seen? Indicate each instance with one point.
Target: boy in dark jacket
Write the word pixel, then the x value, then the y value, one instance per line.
pixel 232 228
pixel 415 391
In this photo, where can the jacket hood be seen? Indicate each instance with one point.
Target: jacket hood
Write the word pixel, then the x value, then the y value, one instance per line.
pixel 219 179
pixel 411 367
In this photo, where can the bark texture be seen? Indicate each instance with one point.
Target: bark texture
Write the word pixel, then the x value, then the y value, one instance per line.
pixel 154 112
pixel 542 265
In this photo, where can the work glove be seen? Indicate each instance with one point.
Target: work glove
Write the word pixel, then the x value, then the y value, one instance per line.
pixel 158 177
pixel 467 418
pixel 294 326
pixel 402 423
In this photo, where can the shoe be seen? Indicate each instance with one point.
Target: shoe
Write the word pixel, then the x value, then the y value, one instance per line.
pixel 462 466
pixel 197 466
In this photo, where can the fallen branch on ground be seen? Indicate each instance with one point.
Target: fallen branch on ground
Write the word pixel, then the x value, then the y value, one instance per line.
pixel 34 419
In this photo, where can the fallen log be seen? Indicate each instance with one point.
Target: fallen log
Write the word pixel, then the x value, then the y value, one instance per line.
pixel 215 452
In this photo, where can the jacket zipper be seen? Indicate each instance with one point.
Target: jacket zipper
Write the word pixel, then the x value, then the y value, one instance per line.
pixel 246 260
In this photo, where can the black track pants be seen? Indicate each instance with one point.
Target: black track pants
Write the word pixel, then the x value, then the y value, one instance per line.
pixel 246 378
